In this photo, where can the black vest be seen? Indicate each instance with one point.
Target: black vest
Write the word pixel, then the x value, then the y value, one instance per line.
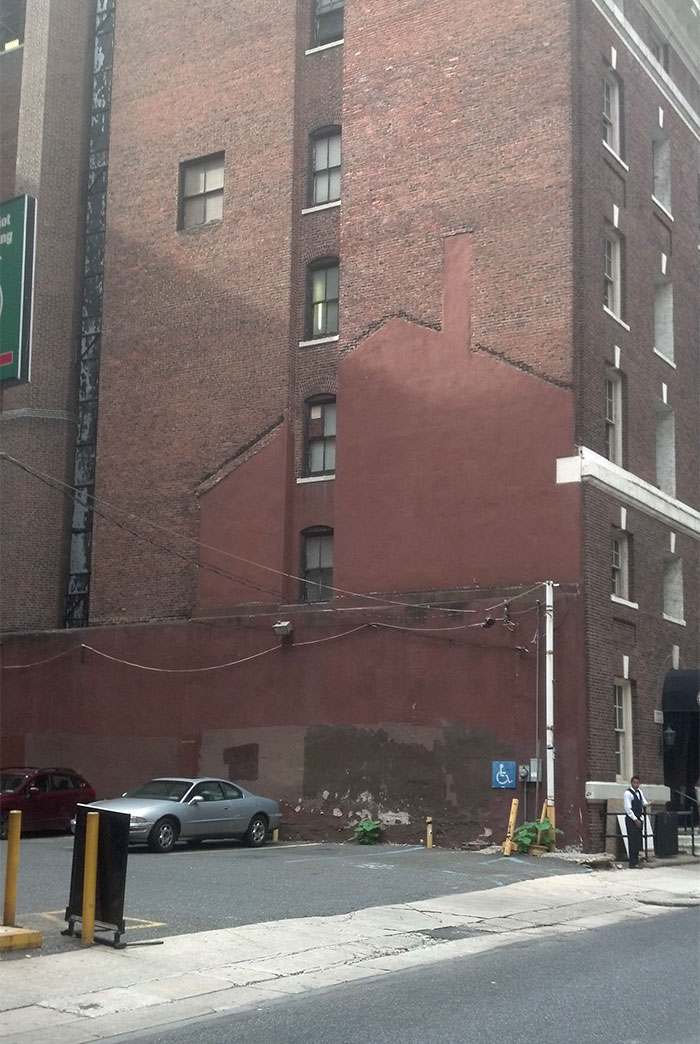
pixel 637 803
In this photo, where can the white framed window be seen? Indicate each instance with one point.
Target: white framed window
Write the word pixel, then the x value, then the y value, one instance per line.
pixel 620 565
pixel 611 112
pixel 201 191
pixel 622 710
pixel 613 416
pixel 612 273
pixel 323 287
pixel 319 455
pixel 661 168
pixel 673 587
pixel 327 22
pixel 665 437
pixel 663 318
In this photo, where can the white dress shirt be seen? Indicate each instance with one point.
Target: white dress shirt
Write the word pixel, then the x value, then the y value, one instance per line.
pixel 627 802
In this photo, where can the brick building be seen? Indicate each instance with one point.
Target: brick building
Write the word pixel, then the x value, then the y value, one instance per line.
pixel 366 319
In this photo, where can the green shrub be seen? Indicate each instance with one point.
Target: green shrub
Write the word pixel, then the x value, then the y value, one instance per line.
pixel 367 832
pixel 527 834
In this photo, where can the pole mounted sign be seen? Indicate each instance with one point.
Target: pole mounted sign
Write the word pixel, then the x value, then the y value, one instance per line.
pixel 17 241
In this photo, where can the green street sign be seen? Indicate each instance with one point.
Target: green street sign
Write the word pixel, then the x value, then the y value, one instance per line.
pixel 17 242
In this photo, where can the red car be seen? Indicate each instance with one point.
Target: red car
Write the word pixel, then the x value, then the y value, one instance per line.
pixel 46 797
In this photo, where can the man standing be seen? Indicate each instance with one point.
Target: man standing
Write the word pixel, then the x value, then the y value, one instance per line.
pixel 635 803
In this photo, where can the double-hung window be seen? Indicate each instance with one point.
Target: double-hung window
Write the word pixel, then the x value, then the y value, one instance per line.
pixel 320 436
pixel 325 167
pixel 323 290
pixel 612 273
pixel 202 191
pixel 622 709
pixel 620 563
pixel 611 112
pixel 613 417
pixel 317 564
pixel 327 22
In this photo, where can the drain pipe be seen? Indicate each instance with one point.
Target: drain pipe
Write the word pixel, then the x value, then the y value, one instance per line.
pixel 549 695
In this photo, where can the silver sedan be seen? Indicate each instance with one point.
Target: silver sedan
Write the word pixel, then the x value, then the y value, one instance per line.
pixel 193 810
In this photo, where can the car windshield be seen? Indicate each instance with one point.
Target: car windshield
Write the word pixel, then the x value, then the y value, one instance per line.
pixel 11 781
pixel 161 789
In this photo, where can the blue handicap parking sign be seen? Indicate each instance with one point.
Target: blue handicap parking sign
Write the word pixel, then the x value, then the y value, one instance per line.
pixel 503 774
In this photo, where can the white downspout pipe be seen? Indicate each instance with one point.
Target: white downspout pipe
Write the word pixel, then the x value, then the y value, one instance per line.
pixel 549 688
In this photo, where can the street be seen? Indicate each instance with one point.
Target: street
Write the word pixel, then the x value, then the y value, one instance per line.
pixel 633 983
pixel 223 884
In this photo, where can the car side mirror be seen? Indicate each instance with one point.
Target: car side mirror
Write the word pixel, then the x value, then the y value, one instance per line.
pixel 196 800
pixel 33 790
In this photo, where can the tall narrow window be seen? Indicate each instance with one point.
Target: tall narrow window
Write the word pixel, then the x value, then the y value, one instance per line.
pixel 320 436
pixel 663 318
pixel 612 273
pixel 611 111
pixel 613 417
pixel 620 561
pixel 325 167
pixel 317 565
pixel 622 709
pixel 202 191
pixel 661 167
pixel 665 425
pixel 327 21
pixel 673 588
pixel 323 289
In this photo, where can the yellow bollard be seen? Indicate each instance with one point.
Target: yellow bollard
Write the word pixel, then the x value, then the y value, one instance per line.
pixel 13 831
pixel 509 845
pixel 429 832
pixel 92 828
pixel 275 835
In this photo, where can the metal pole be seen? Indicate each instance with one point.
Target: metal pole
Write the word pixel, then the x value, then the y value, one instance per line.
pixel 92 826
pixel 14 828
pixel 549 689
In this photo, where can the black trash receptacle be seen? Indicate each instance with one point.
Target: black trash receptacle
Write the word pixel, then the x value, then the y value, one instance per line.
pixel 665 834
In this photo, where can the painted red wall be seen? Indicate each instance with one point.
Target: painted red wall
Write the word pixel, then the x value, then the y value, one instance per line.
pixel 446 460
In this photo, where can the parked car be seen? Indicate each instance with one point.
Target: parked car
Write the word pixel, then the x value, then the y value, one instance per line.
pixel 190 809
pixel 47 797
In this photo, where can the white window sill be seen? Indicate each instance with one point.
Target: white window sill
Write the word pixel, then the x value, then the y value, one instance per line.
pixel 617 319
pixel 674 620
pixel 315 478
pixel 321 206
pixel 661 206
pixel 665 358
pixel 615 155
pixel 319 340
pixel 325 47
pixel 624 601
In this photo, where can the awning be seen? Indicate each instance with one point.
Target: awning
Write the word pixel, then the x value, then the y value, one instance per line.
pixel 681 691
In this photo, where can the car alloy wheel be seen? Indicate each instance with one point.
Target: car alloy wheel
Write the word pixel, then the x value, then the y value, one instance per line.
pixel 256 834
pixel 163 836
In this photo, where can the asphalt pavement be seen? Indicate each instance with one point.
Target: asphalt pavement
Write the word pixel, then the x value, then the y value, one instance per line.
pixel 97 993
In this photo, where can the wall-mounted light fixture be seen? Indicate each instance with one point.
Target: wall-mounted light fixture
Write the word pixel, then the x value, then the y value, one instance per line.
pixel 283 628
pixel 669 736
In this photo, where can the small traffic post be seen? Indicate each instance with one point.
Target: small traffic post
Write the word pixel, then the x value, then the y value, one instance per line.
pixel 429 832
pixel 12 937
pixel 509 846
pixel 92 833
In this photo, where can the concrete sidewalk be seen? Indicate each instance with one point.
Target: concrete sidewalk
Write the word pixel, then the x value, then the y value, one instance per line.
pixel 96 993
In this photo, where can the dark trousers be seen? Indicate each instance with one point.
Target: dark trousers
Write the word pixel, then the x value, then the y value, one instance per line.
pixel 634 839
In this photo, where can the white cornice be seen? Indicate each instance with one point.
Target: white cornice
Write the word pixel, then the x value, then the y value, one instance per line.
pixel 603 474
pixel 641 53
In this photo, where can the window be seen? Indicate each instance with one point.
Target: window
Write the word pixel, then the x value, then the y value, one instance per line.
pixel 12 16
pixel 202 191
pixel 611 112
pixel 612 274
pixel 622 704
pixel 659 51
pixel 661 165
pixel 327 22
pixel 665 425
pixel 320 436
pixel 613 417
pixel 325 167
pixel 317 565
pixel 673 587
pixel 620 548
pixel 323 299
pixel 663 318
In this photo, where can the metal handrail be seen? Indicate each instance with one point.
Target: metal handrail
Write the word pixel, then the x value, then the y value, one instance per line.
pixel 689 816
